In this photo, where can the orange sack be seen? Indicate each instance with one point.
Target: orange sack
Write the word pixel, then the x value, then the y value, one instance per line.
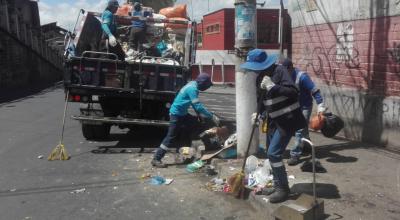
pixel 178 11
pixel 124 10
pixel 317 122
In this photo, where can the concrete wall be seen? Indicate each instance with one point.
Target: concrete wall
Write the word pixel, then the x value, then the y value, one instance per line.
pixel 26 59
pixel 352 49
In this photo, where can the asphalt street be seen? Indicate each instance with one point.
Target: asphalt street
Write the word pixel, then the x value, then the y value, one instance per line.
pixel 102 179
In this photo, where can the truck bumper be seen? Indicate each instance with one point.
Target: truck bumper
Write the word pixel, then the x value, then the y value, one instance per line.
pixel 120 121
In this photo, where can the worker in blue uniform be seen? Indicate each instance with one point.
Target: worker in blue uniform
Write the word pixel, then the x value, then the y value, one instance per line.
pixel 283 113
pixel 138 29
pixel 109 42
pixel 308 91
pixel 181 123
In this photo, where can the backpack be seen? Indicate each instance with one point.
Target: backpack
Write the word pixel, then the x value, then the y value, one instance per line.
pixel 333 124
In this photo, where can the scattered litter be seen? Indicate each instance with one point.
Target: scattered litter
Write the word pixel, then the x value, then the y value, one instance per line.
pixel 145 176
pixel 210 170
pixel 251 164
pixel 13 190
pixel 81 142
pixel 115 187
pixel 182 200
pixel 195 166
pixel 265 199
pixel 79 191
pixel 232 168
pixel 114 173
pixel 227 188
pixel 159 180
pixel 137 160
pixel 128 151
pixel 147 211
pixel 168 181
pixel 216 185
pixel 28 218
pixel 292 177
pixel 40 157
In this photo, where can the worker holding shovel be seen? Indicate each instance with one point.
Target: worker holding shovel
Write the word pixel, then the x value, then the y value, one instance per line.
pixel 283 114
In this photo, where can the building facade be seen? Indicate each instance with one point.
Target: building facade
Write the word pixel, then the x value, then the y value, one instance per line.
pixel 353 52
pixel 25 56
pixel 215 36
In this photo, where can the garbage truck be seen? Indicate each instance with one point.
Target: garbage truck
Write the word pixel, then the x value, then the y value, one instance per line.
pixel 125 93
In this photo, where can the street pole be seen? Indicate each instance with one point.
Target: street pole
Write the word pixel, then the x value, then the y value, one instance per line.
pixel 246 94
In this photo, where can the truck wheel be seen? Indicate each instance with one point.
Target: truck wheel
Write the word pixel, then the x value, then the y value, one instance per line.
pixel 95 132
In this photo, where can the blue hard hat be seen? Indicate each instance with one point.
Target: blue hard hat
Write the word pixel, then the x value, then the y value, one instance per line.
pixel 258 59
pixel 203 81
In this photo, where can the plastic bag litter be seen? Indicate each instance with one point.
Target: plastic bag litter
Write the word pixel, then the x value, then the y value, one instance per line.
pixel 251 164
pixel 157 180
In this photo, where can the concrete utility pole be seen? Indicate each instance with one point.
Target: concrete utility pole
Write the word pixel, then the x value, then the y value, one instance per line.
pixel 246 94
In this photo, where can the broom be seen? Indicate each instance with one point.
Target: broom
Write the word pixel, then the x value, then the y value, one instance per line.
pixel 59 152
pixel 236 181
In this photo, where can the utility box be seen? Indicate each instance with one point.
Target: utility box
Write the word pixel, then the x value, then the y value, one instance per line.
pixel 304 208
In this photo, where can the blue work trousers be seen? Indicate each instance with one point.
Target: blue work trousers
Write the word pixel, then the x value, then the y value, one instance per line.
pixel 179 133
pixel 277 141
pixel 297 149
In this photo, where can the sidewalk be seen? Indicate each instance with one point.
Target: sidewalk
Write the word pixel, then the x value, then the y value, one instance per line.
pixel 361 182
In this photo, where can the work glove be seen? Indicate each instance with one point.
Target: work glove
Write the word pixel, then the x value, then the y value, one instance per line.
pixel 216 120
pixel 322 108
pixel 254 119
pixel 267 83
pixel 112 41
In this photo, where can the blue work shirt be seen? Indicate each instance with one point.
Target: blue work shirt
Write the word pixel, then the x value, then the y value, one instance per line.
pixel 107 23
pixel 307 88
pixel 188 96
pixel 141 14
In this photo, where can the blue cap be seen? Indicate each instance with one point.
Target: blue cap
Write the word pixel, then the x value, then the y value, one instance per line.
pixel 287 63
pixel 113 3
pixel 203 81
pixel 258 59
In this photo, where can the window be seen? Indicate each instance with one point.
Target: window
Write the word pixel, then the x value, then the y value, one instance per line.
pixel 267 33
pixel 213 29
pixel 199 39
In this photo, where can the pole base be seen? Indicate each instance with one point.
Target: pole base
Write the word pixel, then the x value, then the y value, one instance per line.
pixel 303 208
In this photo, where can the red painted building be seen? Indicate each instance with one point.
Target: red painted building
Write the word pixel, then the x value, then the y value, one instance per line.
pixel 216 39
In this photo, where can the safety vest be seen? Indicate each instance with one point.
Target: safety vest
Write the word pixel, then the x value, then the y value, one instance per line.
pixel 280 106
pixel 298 77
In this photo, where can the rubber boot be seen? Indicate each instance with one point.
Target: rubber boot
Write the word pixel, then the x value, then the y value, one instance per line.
pixel 293 160
pixel 158 164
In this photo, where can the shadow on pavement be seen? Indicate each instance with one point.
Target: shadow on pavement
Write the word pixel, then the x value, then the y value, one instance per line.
pixel 8 96
pixel 324 190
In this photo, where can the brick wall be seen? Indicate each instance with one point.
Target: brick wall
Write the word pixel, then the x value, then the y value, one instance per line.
pixel 363 54
pixel 356 64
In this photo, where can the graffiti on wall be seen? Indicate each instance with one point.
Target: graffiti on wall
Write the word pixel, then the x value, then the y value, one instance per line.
pixel 394 52
pixel 352 105
pixel 345 42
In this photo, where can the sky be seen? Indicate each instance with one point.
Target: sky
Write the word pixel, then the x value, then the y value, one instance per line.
pixel 65 12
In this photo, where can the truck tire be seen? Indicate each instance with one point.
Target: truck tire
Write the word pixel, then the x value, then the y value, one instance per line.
pixel 96 132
